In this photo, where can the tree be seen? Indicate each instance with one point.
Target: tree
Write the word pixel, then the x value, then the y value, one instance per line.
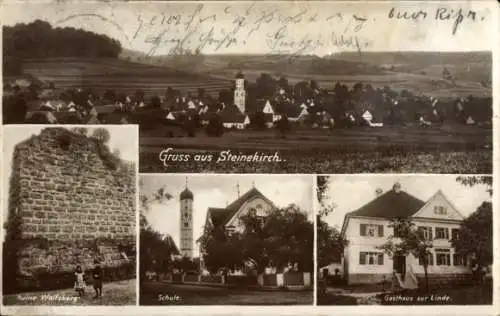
pixel 155 250
pixel 215 127
pixel 101 134
pixel 80 131
pixel 109 95
pixel 258 120
pixel 475 236
pixel 284 236
pixel 330 242
pixel 477 180
pixel 408 239
pixel 283 126
pixel 155 101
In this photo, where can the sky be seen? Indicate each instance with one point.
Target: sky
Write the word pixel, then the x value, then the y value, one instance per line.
pixel 122 137
pixel 219 191
pixel 258 28
pixel 349 193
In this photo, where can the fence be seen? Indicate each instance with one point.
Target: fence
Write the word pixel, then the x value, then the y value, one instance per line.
pixel 271 280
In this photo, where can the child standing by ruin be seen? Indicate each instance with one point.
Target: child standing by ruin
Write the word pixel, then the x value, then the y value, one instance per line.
pixel 97 275
pixel 79 281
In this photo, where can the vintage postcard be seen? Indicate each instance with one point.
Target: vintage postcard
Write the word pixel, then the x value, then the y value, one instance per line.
pixel 70 215
pixel 405 240
pixel 226 240
pixel 254 87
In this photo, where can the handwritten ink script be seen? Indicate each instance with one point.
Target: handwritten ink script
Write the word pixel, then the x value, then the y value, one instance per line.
pixel 457 16
pixel 291 30
pixel 293 33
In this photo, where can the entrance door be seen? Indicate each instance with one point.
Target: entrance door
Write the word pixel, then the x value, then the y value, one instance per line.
pixel 399 264
pixel 325 273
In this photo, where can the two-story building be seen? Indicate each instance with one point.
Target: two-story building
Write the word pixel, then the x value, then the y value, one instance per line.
pixel 252 203
pixel 367 228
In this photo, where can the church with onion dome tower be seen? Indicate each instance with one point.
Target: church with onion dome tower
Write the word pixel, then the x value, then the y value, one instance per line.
pixel 186 222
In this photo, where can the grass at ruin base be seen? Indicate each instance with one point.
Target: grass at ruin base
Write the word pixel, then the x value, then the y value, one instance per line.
pixel 113 293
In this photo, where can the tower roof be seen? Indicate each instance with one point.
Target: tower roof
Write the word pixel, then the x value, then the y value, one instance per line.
pixel 186 194
pixel 239 75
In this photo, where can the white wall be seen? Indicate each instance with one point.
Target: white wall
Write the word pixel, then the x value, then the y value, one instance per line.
pixel 358 243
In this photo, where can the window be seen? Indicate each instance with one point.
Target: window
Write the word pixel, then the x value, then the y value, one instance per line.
pixel 426 231
pixel 430 260
pixel 186 224
pixel 443 257
pixel 186 215
pixel 440 210
pixel 454 233
pixel 371 230
pixel 459 260
pixel 252 212
pixel 442 233
pixel 371 258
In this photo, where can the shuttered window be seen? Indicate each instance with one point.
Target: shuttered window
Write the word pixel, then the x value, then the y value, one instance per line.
pixel 362 229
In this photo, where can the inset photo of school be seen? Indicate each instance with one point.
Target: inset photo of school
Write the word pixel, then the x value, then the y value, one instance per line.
pixel 409 240
pixel 226 240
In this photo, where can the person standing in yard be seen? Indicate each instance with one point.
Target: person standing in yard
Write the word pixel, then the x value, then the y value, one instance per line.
pixel 79 281
pixel 97 275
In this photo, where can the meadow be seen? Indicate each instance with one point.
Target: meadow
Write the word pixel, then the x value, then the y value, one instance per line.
pixel 153 75
pixel 445 149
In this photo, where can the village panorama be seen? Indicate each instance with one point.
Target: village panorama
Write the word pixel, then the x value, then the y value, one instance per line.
pixel 339 113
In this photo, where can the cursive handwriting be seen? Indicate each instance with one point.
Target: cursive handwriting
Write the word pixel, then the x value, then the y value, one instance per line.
pixel 200 30
pixel 289 30
pixel 457 16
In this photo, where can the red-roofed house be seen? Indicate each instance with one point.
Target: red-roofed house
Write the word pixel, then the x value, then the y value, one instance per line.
pixel 367 228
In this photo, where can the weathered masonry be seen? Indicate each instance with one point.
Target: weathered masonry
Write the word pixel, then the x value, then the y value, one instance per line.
pixel 70 202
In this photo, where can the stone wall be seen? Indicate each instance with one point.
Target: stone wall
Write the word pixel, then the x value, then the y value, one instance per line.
pixel 70 202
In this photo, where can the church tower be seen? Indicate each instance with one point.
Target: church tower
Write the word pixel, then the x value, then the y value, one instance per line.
pixel 239 92
pixel 186 201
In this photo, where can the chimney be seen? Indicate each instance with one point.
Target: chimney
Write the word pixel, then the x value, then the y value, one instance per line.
pixel 378 192
pixel 397 187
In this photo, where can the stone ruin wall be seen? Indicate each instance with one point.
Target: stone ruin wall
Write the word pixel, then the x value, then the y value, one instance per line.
pixel 69 205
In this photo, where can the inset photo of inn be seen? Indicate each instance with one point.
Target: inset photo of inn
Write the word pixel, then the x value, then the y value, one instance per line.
pixel 226 240
pixel 70 214
pixel 404 240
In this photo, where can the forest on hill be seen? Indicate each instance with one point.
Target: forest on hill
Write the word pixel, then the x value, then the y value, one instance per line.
pixel 39 39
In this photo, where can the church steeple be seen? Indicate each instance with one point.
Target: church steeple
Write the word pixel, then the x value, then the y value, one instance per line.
pixel 186 194
pixel 240 93
pixel 186 221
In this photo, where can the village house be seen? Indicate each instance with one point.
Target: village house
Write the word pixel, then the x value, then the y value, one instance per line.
pixel 252 203
pixel 367 228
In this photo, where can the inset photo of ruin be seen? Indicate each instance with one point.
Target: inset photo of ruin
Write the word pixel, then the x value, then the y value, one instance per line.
pixel 70 215
pixel 226 240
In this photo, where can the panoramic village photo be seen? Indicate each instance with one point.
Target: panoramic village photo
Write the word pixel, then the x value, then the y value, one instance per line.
pixel 262 87
pixel 226 240
pixel 405 240
pixel 69 229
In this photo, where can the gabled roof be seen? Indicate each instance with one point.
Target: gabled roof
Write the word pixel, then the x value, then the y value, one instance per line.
pixel 390 205
pixel 171 244
pixel 231 114
pixel 220 216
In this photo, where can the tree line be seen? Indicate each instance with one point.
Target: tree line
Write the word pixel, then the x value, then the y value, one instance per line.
pixel 39 39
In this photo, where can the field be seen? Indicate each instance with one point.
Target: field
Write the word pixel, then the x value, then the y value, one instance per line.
pixel 213 73
pixel 113 293
pixel 447 149
pixel 420 72
pixel 181 294
pixel 118 75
